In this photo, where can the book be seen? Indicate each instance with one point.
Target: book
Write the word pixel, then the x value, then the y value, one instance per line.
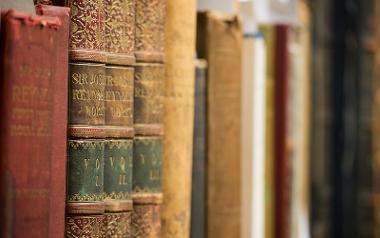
pixel 299 117
pixel 365 167
pixel 147 149
pixel 321 120
pixel 269 37
pixel 85 188
pixel 282 164
pixel 199 170
pixel 219 41
pixel 118 165
pixel 58 202
pixel 178 117
pixel 119 35
pixel 87 30
pixel 150 34
pixel 33 109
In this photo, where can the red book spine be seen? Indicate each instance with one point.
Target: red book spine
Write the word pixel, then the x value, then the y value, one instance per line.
pixel 282 171
pixel 33 126
pixel 57 203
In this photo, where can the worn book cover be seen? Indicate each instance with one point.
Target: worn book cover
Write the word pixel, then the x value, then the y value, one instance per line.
pixel 178 117
pixel 281 158
pixel 34 110
pixel 269 37
pixel 199 172
pixel 321 119
pixel 150 19
pixel 147 149
pixel 63 14
pixel 219 40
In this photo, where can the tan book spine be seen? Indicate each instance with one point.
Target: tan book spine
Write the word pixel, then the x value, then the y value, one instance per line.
pixel 269 37
pixel 178 117
pixel 220 41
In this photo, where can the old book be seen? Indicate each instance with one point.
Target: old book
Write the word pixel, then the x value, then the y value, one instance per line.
pixel 269 37
pixel 366 133
pixel 85 187
pixel 34 110
pixel 299 104
pixel 219 40
pixel 253 135
pixel 282 166
pixel 321 121
pixel 150 22
pixel 87 86
pixel 118 105
pixel 198 185
pixel 118 164
pixel 118 150
pixel 178 117
pixel 147 149
pixel 119 36
pixel 87 35
pixel 61 94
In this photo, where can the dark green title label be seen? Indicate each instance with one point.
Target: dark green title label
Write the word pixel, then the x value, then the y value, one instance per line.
pixel 147 164
pixel 85 170
pixel 118 169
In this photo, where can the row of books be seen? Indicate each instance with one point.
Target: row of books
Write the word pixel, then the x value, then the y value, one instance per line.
pixel 252 118
pixel 93 103
pixel 111 128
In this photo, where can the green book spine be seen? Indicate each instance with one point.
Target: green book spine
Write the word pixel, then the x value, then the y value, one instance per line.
pixel 118 164
pixel 147 191
pixel 85 188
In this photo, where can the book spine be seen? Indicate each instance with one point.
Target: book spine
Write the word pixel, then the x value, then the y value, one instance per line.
pixel 87 35
pixel 86 100
pixel 282 169
pixel 147 151
pixel 118 164
pixel 220 41
pixel 150 22
pixel 198 192
pixel 33 125
pixel 119 130
pixel 118 115
pixel 269 37
pixel 120 31
pixel 57 204
pixel 147 189
pixel 178 117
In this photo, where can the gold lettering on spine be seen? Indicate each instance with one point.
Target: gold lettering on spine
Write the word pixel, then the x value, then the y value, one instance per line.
pixel 86 162
pixel 112 161
pixel 154 175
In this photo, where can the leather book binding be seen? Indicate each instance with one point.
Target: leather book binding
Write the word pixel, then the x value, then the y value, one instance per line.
pixel 219 41
pixel 120 31
pixel 118 115
pixel 33 125
pixel 118 164
pixel 87 87
pixel 150 35
pixel 147 190
pixel 87 30
pixel 178 117
pixel 198 192
pixel 148 98
pixel 85 188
